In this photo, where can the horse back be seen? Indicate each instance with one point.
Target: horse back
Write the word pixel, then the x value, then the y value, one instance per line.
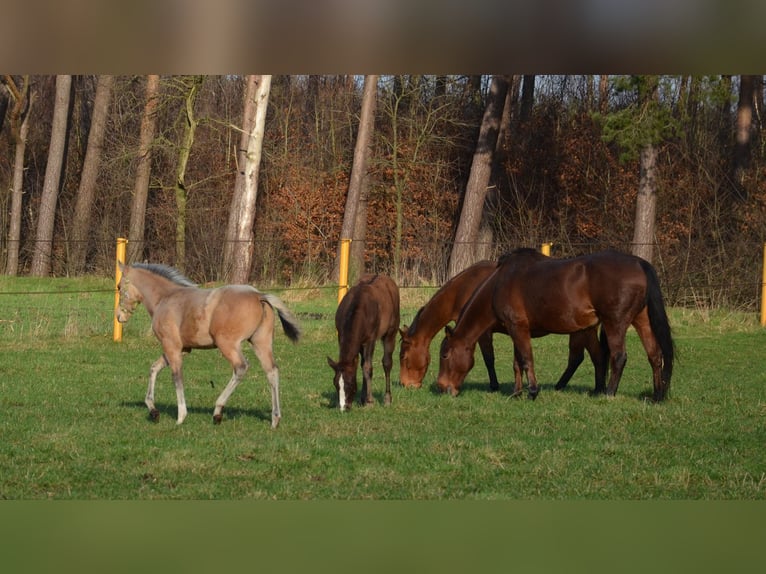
pixel 370 309
pixel 563 295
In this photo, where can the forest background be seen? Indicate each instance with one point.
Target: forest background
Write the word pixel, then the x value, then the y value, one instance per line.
pixel 572 162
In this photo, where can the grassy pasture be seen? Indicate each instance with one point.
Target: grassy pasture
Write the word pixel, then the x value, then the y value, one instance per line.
pixel 73 424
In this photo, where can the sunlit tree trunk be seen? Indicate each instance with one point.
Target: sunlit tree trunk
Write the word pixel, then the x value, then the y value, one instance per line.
pixel 646 199
pixel 143 171
pixel 464 251
pixel 238 252
pixel 46 218
pixel 362 147
pixel 85 194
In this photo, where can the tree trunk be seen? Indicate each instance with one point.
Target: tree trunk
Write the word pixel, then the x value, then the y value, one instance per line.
pixel 238 254
pixel 527 98
pixel 86 192
pixel 19 121
pixel 135 247
pixel 184 150
pixel 41 258
pixel 464 249
pixel 359 168
pixel 743 137
pixel 646 204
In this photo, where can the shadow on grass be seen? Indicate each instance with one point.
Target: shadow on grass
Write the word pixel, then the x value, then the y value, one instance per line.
pixel 171 410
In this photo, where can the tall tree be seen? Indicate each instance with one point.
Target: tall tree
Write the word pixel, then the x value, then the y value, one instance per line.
pixel 191 86
pixel 638 128
pixel 85 194
pixel 466 236
pixel 19 123
pixel 238 252
pixel 143 170
pixel 356 208
pixel 46 218
pixel 744 131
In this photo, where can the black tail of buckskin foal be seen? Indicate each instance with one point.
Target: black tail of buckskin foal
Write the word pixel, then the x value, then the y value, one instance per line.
pixel 658 319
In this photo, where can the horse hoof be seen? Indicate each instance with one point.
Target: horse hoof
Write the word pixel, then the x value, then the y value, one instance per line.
pixel 387 400
pixel 517 394
pixel 533 394
pixel 275 421
pixel 154 415
pixel 217 419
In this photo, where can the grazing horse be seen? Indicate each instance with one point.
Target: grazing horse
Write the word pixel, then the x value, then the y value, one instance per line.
pixel 185 317
pixel 368 312
pixel 445 306
pixel 534 296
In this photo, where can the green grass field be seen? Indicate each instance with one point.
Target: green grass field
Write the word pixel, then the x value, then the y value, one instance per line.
pixel 74 426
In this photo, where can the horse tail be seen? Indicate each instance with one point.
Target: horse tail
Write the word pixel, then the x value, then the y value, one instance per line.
pixel 289 322
pixel 658 320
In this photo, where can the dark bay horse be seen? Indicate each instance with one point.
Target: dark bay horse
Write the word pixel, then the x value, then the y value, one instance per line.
pixel 445 306
pixel 368 312
pixel 534 295
pixel 477 317
pixel 185 317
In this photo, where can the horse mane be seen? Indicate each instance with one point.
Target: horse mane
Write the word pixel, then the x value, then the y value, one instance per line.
pixel 169 273
pixel 414 325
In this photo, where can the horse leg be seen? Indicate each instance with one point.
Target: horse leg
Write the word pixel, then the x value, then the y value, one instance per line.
pixel 598 349
pixel 264 351
pixel 618 356
pixel 239 366
pixel 518 380
pixel 389 343
pixel 366 396
pixel 488 354
pixel 653 353
pixel 576 357
pixel 156 367
pixel 175 362
pixel 523 345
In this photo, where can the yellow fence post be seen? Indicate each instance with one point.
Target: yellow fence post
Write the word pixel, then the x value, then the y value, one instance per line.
pixel 345 248
pixel 119 258
pixel 546 249
pixel 763 289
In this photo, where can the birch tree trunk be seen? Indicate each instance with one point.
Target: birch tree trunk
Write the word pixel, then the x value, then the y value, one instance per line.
pixel 20 129
pixel 238 251
pixel 135 247
pixel 466 236
pixel 46 218
pixel 354 207
pixel 86 192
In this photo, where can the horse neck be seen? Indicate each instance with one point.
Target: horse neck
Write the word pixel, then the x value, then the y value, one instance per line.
pixel 477 315
pixel 352 334
pixel 152 287
pixel 446 304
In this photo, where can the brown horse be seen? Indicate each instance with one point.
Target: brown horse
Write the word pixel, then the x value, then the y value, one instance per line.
pixel 185 317
pixel 534 295
pixel 368 312
pixel 445 306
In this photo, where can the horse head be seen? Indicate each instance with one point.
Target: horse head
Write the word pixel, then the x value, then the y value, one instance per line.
pixel 455 360
pixel 344 381
pixel 130 297
pixel 414 358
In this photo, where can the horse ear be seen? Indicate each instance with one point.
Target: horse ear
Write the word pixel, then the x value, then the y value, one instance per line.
pixel 448 331
pixel 332 364
pixel 403 331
